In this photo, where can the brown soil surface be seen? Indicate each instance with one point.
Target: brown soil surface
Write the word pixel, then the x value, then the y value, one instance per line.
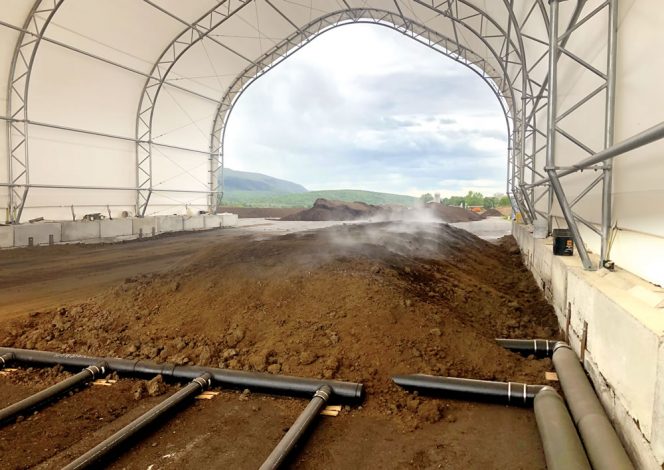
pixel 452 214
pixel 261 212
pixel 491 213
pixel 358 302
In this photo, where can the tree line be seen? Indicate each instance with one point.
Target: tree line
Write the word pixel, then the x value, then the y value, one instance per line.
pixel 473 198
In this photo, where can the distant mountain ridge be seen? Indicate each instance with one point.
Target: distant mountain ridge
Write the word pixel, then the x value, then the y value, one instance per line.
pixel 247 189
pixel 235 181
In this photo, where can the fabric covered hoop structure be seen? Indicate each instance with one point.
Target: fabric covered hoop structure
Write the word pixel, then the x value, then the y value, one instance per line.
pixel 135 96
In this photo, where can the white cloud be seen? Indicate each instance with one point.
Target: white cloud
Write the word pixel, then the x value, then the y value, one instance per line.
pixel 365 107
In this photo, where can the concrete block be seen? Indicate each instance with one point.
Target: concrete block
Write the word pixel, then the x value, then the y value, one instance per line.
pixel 194 222
pixel 228 219
pixel 169 223
pixel 6 236
pixel 115 228
pixel 624 352
pixel 76 231
pixel 212 221
pixel 41 234
pixel 144 226
pixel 658 417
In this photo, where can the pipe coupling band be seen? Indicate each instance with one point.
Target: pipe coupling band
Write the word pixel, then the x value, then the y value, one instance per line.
pixel 516 385
pixel 2 359
pixel 561 344
pixel 96 369
pixel 203 382
pixel 322 394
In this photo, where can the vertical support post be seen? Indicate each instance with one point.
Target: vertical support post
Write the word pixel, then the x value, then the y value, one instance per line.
pixel 607 185
pixel 550 168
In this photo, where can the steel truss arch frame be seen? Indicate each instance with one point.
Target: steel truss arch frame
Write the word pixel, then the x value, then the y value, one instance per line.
pixel 353 15
pixel 18 85
pixel 195 32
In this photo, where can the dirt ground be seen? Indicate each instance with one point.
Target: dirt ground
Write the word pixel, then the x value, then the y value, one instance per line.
pixel 354 302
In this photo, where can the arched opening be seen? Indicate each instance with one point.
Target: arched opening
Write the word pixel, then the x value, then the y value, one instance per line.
pixel 362 107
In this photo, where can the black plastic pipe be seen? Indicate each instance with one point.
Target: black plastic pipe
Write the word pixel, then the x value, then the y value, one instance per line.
pixel 510 393
pixel 101 450
pixel 297 430
pixel 599 438
pixel 536 347
pixel 5 359
pixel 278 384
pixel 53 391
pixel 562 447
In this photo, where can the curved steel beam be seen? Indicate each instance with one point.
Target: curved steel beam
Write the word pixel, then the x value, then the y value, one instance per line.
pixel 191 35
pixel 305 34
pixel 20 72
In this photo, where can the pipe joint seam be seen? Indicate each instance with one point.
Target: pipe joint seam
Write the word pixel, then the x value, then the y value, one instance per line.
pixel 516 385
pixel 323 392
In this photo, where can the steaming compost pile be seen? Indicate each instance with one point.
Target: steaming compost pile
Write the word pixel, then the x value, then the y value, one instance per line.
pixel 354 302
pixel 324 209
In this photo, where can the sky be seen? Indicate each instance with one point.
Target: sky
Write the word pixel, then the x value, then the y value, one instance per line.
pixel 364 107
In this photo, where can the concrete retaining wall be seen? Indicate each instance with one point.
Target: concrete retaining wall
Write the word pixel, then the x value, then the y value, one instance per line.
pixel 624 330
pixel 75 231
pixel 144 227
pixel 43 233
pixel 115 228
pixel 169 223
pixel 6 237
pixel 194 222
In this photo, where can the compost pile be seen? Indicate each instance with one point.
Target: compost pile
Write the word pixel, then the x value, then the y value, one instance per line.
pixel 491 213
pixel 451 214
pixel 326 209
pixel 354 302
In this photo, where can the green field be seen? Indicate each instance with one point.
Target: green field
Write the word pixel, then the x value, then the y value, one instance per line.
pixel 269 199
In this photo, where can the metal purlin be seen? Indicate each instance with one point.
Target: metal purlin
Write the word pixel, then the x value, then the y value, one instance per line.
pixel 191 35
pixel 17 102
pixel 438 42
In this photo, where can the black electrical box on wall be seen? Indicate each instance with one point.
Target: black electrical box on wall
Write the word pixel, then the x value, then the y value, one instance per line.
pixel 563 245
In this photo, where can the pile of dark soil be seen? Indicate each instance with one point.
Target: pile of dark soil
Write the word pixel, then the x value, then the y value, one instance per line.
pixel 491 213
pixel 357 302
pixel 451 214
pixel 326 209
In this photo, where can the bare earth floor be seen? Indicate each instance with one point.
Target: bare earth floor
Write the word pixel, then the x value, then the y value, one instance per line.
pixel 357 302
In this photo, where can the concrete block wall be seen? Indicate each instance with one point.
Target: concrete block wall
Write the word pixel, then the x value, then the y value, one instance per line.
pixel 144 226
pixel 76 231
pixel 6 237
pixel 115 228
pixel 41 233
pixel 624 347
pixel 44 233
pixel 169 223
pixel 194 222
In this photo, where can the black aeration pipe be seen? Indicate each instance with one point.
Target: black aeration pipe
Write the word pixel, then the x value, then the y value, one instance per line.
pixel 599 438
pixel 279 384
pixel 5 359
pixel 562 447
pixel 536 347
pixel 297 430
pixel 101 450
pixel 510 393
pixel 53 391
